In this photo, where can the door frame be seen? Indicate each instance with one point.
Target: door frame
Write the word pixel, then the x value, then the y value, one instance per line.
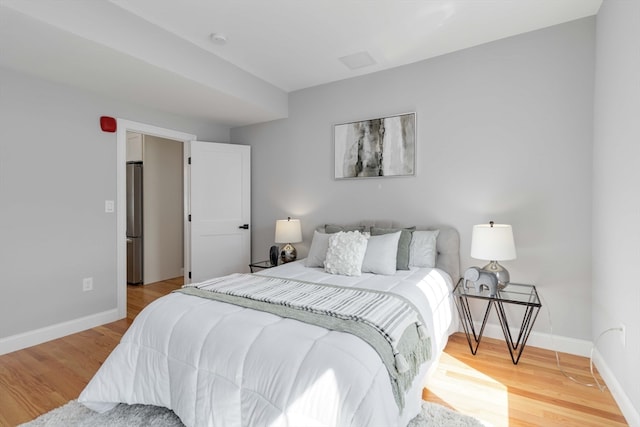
pixel 124 126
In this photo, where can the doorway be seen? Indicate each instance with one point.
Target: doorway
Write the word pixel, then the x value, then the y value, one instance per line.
pixel 125 126
pixel 155 209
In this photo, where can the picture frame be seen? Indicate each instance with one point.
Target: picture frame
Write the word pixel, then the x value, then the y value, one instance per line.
pixel 375 148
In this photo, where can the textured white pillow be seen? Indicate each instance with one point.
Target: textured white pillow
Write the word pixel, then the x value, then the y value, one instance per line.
pixel 422 251
pixel 318 250
pixel 380 257
pixel 346 253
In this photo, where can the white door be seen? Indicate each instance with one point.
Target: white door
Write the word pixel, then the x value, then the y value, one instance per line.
pixel 220 202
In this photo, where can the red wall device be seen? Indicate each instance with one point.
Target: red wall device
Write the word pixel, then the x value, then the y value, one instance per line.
pixel 108 124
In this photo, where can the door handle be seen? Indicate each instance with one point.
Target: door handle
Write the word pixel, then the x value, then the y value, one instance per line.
pixel 244 226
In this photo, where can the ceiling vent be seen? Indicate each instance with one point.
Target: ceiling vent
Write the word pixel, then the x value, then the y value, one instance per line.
pixel 357 60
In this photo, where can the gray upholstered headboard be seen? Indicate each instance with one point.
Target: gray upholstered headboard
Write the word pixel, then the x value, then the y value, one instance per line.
pixel 448 244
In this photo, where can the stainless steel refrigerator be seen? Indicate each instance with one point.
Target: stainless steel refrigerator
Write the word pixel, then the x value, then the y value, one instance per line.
pixel 134 224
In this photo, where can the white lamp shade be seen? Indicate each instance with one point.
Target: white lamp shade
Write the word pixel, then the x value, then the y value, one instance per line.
pixel 493 242
pixel 288 231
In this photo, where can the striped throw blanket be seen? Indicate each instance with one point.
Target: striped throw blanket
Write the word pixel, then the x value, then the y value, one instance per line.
pixel 386 321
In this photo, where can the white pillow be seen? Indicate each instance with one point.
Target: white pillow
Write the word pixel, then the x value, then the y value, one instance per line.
pixel 346 253
pixel 380 257
pixel 318 250
pixel 422 251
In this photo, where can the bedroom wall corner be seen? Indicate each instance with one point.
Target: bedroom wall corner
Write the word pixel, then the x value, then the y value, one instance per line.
pixel 616 229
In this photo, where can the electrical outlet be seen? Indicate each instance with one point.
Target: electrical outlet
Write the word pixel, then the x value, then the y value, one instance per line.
pixel 623 335
pixel 87 284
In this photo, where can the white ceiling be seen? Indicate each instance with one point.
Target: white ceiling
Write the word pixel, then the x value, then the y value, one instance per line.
pixel 159 53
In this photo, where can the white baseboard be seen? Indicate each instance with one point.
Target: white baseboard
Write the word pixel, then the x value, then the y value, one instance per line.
pixel 630 413
pixel 38 336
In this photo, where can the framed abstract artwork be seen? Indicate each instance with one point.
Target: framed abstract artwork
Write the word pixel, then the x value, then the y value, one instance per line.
pixel 375 147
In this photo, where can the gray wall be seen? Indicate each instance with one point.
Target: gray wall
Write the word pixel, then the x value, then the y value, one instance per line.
pixel 163 209
pixel 56 170
pixel 616 205
pixel 504 133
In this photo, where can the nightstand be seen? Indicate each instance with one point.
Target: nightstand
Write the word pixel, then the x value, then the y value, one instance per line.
pixel 515 294
pixel 260 265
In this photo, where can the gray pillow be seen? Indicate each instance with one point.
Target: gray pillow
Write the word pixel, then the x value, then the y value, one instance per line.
pixel 402 257
pixel 423 252
pixel 333 228
pixel 380 256
pixel 318 251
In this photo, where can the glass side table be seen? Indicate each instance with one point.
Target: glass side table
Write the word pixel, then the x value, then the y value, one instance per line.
pixel 260 265
pixel 513 293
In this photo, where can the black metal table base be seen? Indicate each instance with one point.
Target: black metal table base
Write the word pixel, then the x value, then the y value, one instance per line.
pixel 474 338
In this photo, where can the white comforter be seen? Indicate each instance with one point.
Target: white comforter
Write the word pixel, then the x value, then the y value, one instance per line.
pixel 216 364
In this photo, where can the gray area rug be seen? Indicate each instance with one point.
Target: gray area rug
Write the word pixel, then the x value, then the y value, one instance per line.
pixel 77 415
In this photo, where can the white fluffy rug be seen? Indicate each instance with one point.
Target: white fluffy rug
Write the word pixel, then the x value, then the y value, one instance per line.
pixel 77 415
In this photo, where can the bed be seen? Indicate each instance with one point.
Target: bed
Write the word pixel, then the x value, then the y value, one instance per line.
pixel 218 362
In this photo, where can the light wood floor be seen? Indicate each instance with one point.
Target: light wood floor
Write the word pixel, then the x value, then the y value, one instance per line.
pixel 533 393
pixel 488 386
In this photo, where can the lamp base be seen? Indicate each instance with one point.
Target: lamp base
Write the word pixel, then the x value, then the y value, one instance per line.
pixel 501 273
pixel 288 253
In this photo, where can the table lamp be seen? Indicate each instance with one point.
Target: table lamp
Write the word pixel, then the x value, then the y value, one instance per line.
pixel 288 231
pixel 494 242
